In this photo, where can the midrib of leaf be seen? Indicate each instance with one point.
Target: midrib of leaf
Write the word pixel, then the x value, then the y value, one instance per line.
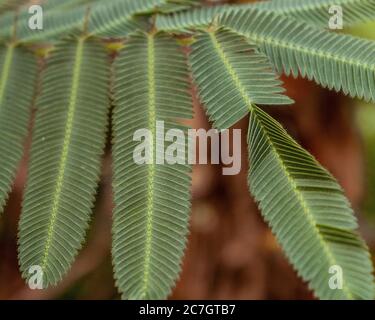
pixel 65 150
pixel 304 205
pixel 5 71
pixel 151 166
pixel 230 69
pixel 307 51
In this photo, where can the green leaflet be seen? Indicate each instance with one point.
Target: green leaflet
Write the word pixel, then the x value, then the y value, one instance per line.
pixel 68 141
pixel 307 211
pixel 336 61
pixel 115 19
pixel 229 57
pixel 17 77
pixel 152 201
pixel 301 201
pixel 315 13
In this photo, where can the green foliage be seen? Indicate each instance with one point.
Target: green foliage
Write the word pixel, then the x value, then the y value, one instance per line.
pixel 15 110
pixel 301 201
pixel 295 48
pixel 152 200
pixel 316 13
pixel 234 52
pixel 68 141
pixel 217 56
pixel 307 211
pixel 345 63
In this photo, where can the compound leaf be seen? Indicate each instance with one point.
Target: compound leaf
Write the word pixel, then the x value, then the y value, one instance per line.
pixel 301 201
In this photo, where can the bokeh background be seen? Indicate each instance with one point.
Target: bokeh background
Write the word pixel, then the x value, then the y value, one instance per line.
pixel 231 253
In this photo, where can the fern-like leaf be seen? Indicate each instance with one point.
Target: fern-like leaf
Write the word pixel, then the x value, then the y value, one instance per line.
pixel 17 77
pixel 307 211
pixel 218 54
pixel 152 200
pixel 68 141
pixel 314 13
pixel 302 202
pixel 335 61
pixel 317 13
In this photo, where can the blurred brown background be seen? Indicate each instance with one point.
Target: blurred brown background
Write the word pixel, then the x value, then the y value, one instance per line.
pixel 231 253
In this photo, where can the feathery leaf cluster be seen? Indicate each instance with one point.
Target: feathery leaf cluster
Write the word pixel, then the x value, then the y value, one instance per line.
pixel 234 56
